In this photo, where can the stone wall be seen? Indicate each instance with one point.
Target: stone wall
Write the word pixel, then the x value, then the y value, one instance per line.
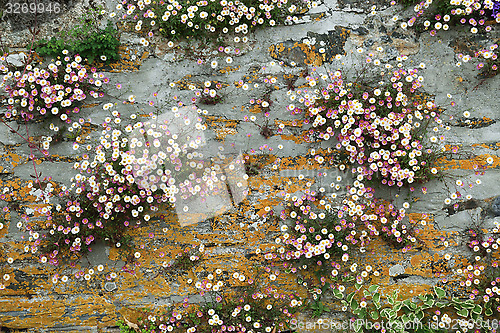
pixel 30 299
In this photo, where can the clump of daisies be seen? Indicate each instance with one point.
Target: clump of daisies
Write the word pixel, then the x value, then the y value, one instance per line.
pixel 210 94
pixel 389 129
pixel 315 237
pixel 250 306
pixel 55 90
pixel 479 16
pixel 489 61
pixel 177 19
pixel 134 172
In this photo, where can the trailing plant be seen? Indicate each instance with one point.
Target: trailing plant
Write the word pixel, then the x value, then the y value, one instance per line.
pixel 121 186
pixel 250 306
pixel 85 39
pixel 477 16
pixel 54 90
pixel 175 19
pixel 210 94
pixel 384 128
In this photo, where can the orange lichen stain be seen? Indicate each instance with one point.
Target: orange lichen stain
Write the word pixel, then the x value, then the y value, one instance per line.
pixel 255 109
pixel 480 161
pixel 89 105
pixel 296 139
pixel 430 237
pixel 492 146
pixel 42 313
pixel 299 163
pixel 228 69
pixel 130 60
pixel 426 265
pixel 290 123
pixel 453 148
pixel 17 190
pixel 222 127
pixel 17 159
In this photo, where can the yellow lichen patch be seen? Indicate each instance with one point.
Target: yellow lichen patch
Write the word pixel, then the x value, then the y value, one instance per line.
pixel 303 53
pixel 492 146
pixel 306 53
pixel 299 163
pixel 130 60
pixel 291 123
pixel 17 190
pixel 222 127
pixel 228 69
pixel 429 236
pixel 480 161
pixel 255 109
pixel 14 159
pixel 408 290
pixel 427 265
pixel 294 138
pixel 41 313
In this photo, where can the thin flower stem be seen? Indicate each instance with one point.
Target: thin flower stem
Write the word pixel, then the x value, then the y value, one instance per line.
pixel 33 160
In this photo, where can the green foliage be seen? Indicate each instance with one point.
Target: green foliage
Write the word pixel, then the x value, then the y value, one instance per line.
pixel 243 309
pixel 489 68
pixel 85 39
pixel 415 315
pixel 318 308
pixel 176 28
pixel 124 328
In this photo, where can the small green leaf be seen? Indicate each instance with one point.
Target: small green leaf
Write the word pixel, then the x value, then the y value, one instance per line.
pixel 374 314
pixel 477 309
pixel 439 292
pixel 469 304
pixel 488 312
pixel 429 303
pixel 441 304
pixel 463 313
pixel 349 297
pixel 337 293
pixel 373 288
pixel 397 306
pixel 376 297
pixel 354 304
